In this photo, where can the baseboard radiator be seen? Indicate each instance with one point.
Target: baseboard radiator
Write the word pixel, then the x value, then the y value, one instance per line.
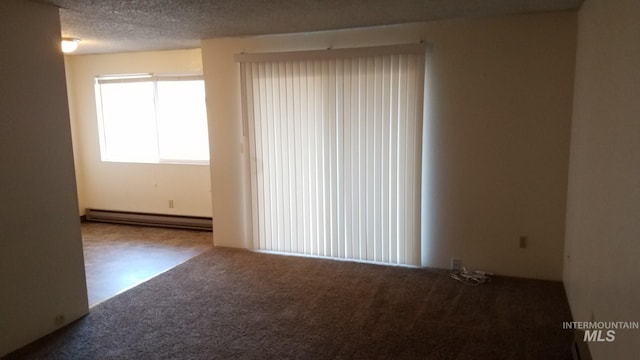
pixel 160 220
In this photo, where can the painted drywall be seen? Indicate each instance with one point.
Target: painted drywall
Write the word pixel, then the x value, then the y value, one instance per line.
pixel 76 140
pixel 41 262
pixel 603 209
pixel 498 144
pixel 128 186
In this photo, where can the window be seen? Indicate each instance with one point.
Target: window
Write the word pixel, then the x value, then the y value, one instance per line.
pixel 335 140
pixel 152 119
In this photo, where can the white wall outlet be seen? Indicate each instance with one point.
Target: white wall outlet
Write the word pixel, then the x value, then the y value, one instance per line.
pixel 170 204
pixel 456 264
pixel 523 242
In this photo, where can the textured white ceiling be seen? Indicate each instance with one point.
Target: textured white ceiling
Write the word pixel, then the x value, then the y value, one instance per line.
pixel 140 25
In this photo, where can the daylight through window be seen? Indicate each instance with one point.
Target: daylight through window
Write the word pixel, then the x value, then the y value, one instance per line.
pixel 152 119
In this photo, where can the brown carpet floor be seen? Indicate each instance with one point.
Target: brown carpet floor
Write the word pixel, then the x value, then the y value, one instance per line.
pixel 234 304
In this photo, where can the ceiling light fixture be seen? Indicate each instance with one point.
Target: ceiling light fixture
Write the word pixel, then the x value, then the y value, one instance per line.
pixel 69 45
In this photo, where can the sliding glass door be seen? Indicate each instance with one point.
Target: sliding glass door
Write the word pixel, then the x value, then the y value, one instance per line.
pixel 335 143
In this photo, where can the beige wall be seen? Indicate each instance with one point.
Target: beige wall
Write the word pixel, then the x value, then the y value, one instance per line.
pixel 126 186
pixel 41 262
pixel 603 212
pixel 499 125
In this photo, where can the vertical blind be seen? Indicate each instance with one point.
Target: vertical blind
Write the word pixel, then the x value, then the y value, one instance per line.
pixel 335 141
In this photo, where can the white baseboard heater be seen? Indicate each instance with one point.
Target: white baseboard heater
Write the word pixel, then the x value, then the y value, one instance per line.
pixel 161 220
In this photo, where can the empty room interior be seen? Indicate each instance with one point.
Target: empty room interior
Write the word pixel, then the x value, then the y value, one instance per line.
pixel 454 179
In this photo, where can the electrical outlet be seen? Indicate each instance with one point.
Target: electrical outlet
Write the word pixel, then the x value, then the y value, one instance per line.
pixel 523 242
pixel 170 204
pixel 456 264
pixel 58 320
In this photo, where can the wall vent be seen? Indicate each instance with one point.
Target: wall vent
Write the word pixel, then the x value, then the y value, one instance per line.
pixel 160 220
